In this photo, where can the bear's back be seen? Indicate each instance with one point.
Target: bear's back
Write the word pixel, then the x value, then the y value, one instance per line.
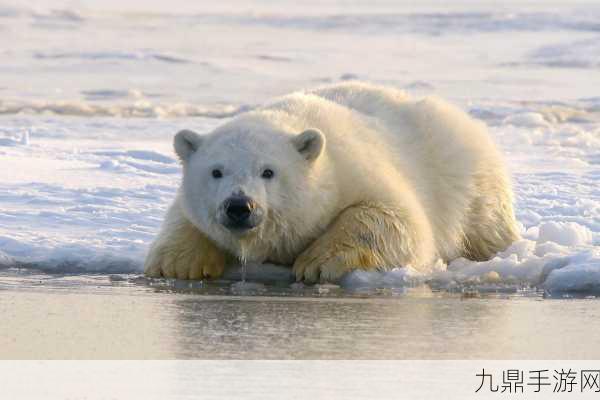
pixel 439 149
pixel 364 98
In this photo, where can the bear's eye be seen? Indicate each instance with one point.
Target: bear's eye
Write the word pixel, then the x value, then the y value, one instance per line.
pixel 216 173
pixel 267 173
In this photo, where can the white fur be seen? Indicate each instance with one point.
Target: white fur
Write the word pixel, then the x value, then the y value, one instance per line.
pixel 426 164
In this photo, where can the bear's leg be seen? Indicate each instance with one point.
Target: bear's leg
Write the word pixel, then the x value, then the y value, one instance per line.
pixel 492 226
pixel 365 236
pixel 182 251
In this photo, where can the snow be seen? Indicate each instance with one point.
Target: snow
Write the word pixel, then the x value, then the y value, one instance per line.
pixel 578 54
pixel 564 233
pixel 87 169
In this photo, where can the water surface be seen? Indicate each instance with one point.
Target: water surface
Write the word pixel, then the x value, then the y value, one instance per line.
pixel 127 316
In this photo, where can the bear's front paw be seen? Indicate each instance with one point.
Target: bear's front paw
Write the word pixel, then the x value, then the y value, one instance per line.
pixel 204 262
pixel 320 265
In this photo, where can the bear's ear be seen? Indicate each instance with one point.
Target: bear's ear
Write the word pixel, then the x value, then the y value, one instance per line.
pixel 186 142
pixel 310 143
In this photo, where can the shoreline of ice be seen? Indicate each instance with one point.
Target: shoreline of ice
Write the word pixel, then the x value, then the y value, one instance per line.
pixel 560 260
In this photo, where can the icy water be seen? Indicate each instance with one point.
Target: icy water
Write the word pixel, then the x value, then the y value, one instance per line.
pixel 124 317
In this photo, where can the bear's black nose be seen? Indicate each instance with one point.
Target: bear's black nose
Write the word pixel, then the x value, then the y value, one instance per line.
pixel 239 208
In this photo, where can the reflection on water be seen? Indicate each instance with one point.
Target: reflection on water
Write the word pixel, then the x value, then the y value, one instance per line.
pixel 48 316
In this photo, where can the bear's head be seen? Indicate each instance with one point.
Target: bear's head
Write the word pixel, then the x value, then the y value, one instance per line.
pixel 256 189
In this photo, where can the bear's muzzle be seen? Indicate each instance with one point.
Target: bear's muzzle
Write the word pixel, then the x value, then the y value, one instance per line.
pixel 241 213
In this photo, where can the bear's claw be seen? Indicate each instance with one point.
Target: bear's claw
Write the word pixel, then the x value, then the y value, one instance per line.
pixel 317 266
pixel 185 260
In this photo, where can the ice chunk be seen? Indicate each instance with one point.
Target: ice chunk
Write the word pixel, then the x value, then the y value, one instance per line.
pixel 6 260
pixel 397 277
pixel 565 233
pixel 581 274
pixel 528 119
pixel 25 138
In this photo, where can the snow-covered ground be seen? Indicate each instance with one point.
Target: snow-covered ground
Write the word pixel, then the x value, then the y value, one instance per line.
pixel 92 92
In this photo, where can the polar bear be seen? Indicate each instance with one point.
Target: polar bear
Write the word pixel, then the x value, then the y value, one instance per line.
pixel 348 176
